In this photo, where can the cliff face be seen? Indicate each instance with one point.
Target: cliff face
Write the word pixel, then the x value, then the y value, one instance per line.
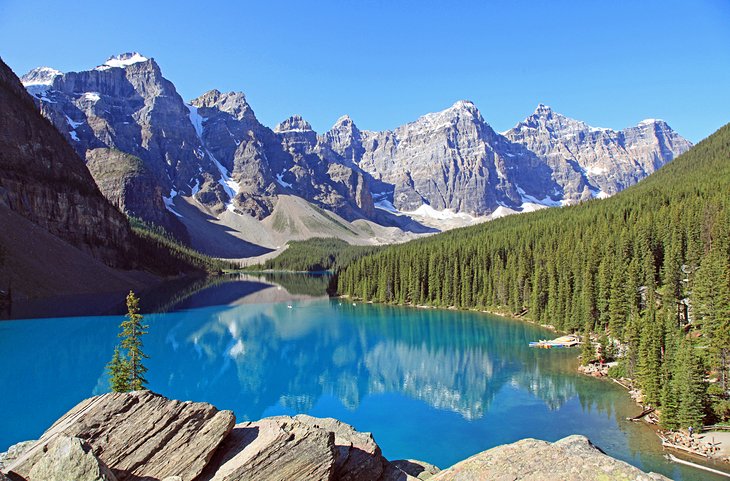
pixel 43 180
pixel 450 159
pixel 596 162
pixel 127 182
pixel 127 105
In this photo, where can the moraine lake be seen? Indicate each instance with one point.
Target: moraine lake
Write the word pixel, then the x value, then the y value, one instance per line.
pixel 434 385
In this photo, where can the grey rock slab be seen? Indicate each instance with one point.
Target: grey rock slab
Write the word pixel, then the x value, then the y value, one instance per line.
pixel 140 435
pixel 68 458
pixel 392 473
pixel 358 455
pixel 573 458
pixel 279 448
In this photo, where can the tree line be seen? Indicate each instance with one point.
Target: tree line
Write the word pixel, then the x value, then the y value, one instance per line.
pixel 316 254
pixel 648 267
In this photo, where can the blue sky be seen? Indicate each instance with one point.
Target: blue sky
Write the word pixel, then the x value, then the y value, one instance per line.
pixel 609 63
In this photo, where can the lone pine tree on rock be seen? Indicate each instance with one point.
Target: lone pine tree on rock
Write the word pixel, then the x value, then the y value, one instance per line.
pixel 126 369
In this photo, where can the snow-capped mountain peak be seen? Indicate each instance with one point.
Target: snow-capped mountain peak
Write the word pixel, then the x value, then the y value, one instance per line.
pixel 122 60
pixel 40 76
pixel 295 123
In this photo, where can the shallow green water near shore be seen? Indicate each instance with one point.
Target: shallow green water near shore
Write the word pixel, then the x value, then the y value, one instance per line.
pixel 429 384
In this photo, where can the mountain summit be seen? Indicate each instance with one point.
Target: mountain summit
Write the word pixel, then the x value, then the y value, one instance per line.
pixel 596 162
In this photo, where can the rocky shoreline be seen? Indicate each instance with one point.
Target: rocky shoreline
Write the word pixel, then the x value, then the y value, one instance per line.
pixel 142 436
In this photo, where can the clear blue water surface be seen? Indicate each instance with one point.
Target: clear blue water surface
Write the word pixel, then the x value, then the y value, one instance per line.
pixel 434 385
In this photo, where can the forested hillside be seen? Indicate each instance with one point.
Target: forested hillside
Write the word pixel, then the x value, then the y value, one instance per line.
pixel 649 267
pixel 316 254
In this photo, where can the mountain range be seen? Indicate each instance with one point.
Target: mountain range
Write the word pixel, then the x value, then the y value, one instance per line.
pixel 214 176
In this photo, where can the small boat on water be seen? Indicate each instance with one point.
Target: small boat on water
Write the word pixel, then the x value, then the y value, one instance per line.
pixel 562 341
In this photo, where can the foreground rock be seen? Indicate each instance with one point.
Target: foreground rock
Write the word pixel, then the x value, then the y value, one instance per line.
pixel 571 458
pixel 358 456
pixel 69 458
pixel 142 436
pixel 139 435
pixel 301 448
pixel 274 448
pixel 14 452
pixel 417 469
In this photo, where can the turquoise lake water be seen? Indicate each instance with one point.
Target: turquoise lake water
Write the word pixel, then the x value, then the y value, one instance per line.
pixel 434 385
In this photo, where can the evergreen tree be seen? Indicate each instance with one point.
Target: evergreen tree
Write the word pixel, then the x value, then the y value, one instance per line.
pixel 691 388
pixel 132 331
pixel 670 405
pixel 118 369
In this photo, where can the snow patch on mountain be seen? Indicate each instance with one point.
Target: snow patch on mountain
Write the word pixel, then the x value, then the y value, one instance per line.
pixel 593 170
pixel 426 210
pixel 196 188
pixel 547 201
pixel 123 60
pixel 197 120
pixel 386 205
pixel 280 180
pixel 229 185
pixel 170 202
pixel 72 123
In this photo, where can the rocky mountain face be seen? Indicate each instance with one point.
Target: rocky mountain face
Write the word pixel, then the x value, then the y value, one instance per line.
pixel 43 180
pixel 61 235
pixel 213 149
pixel 141 435
pixel 127 105
pixel 214 154
pixel 447 160
pixel 595 162
pixel 265 163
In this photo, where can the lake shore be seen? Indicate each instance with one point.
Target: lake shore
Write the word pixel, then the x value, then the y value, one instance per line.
pixel 695 453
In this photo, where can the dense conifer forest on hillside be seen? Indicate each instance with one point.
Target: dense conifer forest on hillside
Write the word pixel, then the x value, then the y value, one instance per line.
pixel 649 267
pixel 317 254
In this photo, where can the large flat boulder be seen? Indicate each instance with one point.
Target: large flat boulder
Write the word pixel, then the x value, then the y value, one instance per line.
pixel 300 448
pixel 570 459
pixel 279 448
pixel 139 435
